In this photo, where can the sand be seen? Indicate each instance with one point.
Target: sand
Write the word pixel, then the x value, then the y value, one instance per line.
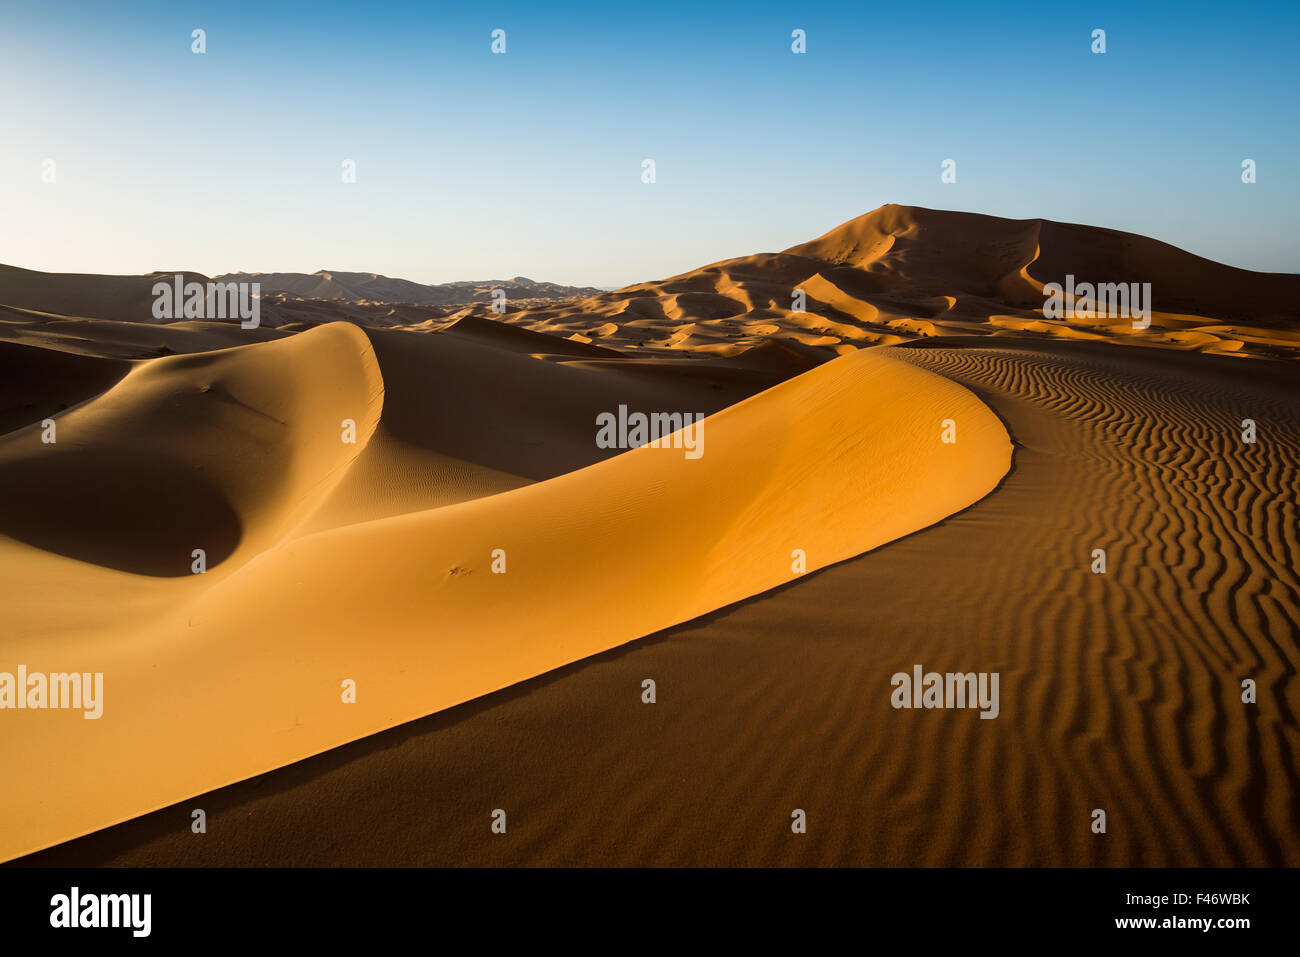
pixel 900 273
pixel 372 561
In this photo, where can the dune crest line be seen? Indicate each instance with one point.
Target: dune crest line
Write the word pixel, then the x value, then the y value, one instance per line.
pixel 244 676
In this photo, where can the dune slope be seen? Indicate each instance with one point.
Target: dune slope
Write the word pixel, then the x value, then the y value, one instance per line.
pixel 244 675
pixel 905 272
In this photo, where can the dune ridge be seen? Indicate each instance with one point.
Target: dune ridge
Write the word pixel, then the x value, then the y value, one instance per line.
pixel 407 605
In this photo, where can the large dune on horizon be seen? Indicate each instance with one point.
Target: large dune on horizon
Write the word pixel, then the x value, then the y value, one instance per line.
pixel 905 272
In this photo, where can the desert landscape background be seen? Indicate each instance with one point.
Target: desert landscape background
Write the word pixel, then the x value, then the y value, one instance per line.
pixel 372 561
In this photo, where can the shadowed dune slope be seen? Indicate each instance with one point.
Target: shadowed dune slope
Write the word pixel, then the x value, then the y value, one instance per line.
pixel 36 383
pixel 244 674
pixel 470 413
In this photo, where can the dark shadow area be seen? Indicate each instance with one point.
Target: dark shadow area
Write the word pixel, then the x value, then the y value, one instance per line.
pixel 130 510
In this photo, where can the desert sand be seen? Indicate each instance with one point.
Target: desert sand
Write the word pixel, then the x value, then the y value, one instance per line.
pixel 827 538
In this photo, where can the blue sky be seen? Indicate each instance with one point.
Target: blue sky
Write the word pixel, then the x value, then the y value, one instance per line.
pixel 472 165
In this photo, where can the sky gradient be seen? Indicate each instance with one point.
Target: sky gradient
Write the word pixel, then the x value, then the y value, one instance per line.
pixel 474 166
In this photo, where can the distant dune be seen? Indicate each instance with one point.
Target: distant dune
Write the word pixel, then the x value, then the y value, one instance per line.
pixel 903 272
pixel 369 287
pixel 916 467
pixel 120 298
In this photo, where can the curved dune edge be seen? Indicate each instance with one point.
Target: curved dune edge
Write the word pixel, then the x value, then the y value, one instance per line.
pixel 246 676
pixel 229 449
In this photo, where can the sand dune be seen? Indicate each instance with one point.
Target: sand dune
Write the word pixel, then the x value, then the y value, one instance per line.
pixel 350 467
pixel 371 287
pixel 124 298
pixel 656 538
pixel 194 452
pixel 903 272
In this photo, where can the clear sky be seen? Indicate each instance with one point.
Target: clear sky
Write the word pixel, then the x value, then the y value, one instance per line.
pixel 471 165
